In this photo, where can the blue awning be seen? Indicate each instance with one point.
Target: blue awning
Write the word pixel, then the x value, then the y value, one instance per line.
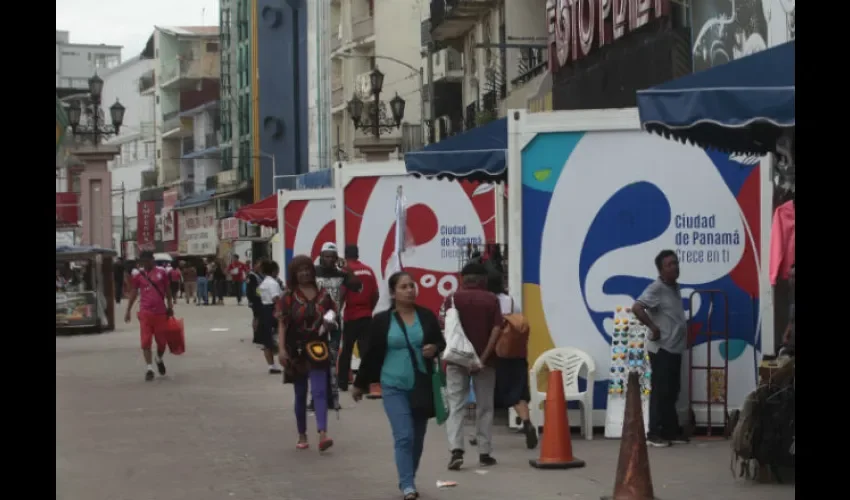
pixel 742 106
pixel 195 200
pixel 479 154
pixel 319 179
pixel 203 153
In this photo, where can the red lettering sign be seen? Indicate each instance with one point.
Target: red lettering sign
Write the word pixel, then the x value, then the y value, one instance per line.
pixel 146 224
pixel 578 27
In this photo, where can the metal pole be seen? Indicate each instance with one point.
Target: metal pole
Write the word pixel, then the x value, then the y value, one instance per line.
pixel 422 109
pixel 431 101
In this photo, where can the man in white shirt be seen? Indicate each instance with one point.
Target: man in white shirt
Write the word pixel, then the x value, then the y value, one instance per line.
pixel 269 291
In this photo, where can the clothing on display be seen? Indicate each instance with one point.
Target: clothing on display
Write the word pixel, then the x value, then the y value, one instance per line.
pixel 782 242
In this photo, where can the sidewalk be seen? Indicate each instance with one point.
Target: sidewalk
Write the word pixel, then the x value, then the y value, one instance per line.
pixel 219 427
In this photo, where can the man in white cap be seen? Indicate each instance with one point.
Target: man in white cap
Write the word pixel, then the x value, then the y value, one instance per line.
pixel 337 280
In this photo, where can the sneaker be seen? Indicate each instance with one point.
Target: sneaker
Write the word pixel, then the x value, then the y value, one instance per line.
pixel 680 439
pixel 149 376
pixel 456 461
pixel 274 370
pixel 160 366
pixel 530 435
pixel 657 442
pixel 485 460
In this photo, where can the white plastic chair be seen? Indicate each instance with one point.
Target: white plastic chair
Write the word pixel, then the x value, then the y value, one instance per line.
pixel 571 362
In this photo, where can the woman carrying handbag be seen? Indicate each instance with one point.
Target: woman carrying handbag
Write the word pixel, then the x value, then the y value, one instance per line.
pixel 403 344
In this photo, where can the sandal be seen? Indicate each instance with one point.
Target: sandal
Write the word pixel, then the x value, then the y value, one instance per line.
pixel 302 445
pixel 326 443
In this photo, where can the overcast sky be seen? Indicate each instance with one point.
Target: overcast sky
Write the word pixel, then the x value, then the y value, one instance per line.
pixel 129 23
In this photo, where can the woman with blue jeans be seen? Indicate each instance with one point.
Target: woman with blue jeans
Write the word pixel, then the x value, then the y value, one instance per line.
pixel 392 336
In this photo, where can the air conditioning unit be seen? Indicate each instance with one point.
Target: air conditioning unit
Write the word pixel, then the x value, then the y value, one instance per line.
pixel 248 230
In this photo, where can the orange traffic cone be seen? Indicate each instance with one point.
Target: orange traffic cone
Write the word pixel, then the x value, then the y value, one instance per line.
pixel 374 392
pixel 557 449
pixel 633 481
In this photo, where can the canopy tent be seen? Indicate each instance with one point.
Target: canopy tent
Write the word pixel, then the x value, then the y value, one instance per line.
pixel 743 106
pixel 479 154
pixel 263 212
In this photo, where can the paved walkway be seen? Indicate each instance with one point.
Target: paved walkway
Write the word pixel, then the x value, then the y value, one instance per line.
pixel 219 427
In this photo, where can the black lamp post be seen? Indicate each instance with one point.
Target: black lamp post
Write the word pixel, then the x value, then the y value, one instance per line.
pixel 376 120
pixel 95 128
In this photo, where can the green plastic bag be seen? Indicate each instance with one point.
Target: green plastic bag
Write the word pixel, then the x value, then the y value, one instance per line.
pixel 441 401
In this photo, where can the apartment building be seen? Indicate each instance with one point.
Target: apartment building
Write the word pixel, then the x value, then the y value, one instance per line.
pixel 77 62
pixel 136 142
pixel 264 91
pixel 486 56
pixel 364 35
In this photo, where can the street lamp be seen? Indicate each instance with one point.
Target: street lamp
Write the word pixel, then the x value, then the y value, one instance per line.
pixel 371 116
pixel 94 126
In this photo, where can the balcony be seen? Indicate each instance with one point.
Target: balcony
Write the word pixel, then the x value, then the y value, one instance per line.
pixel 532 63
pixel 228 181
pixel 147 83
pixel 186 188
pixel 451 19
pixel 210 140
pixel 362 29
pixel 448 65
pixel 174 127
pixel 188 145
pixel 185 72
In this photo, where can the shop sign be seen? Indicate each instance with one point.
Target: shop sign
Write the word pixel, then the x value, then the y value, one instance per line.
pixel 169 216
pixel 229 228
pixel 199 231
pixel 578 27
pixel 146 225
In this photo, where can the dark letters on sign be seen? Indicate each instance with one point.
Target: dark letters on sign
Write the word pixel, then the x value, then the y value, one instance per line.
pixel 578 27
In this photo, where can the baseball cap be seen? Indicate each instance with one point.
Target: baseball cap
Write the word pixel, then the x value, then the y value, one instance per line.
pixel 328 247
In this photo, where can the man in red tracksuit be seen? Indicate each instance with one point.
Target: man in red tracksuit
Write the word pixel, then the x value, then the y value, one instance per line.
pixel 357 315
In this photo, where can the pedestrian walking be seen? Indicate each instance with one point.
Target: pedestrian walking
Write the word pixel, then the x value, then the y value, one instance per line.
pixel 175 277
pixel 190 282
pixel 268 292
pixel 219 283
pixel 306 313
pixel 151 286
pixel 118 277
pixel 481 319
pixel 660 308
pixel 237 271
pixel 357 315
pixel 403 340
pixel 203 282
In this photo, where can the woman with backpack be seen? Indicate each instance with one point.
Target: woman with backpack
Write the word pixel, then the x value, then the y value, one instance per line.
pixel 512 361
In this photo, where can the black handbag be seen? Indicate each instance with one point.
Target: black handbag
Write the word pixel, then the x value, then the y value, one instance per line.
pixel 422 395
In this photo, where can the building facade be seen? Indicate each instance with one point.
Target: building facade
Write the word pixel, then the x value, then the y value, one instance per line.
pixel 264 112
pixel 486 56
pixel 77 62
pixel 364 35
pixel 136 142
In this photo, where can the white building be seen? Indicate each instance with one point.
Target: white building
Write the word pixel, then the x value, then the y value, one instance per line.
pixel 77 62
pixel 365 34
pixel 136 140
pixel 490 51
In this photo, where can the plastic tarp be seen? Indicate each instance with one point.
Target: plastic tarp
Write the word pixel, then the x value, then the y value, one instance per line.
pixel 479 154
pixel 742 106
pixel 65 249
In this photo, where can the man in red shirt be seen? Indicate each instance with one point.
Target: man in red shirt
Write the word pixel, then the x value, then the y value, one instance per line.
pixel 237 271
pixel 357 316
pixel 481 318
pixel 151 285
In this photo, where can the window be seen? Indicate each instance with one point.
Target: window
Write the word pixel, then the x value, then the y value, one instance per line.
pixel 212 47
pixel 373 62
pixel 159 154
pixel 157 99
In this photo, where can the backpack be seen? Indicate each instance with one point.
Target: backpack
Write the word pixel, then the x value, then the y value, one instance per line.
pixel 513 341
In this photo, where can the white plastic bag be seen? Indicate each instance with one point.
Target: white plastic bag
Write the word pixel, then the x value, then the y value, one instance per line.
pixel 459 350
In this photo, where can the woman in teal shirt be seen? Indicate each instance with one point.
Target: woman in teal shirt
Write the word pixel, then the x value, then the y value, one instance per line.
pixel 388 360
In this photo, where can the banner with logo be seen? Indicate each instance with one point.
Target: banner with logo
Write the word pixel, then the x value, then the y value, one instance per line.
pixel 168 215
pixel 199 231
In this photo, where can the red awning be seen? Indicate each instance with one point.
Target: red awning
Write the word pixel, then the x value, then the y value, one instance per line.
pixel 264 212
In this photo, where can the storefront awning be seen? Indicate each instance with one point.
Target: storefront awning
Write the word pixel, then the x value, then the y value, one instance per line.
pixel 743 106
pixel 263 213
pixel 195 200
pixel 212 152
pixel 479 154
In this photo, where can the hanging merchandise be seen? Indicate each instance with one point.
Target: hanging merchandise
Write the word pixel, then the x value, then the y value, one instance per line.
pixel 782 241
pixel 628 354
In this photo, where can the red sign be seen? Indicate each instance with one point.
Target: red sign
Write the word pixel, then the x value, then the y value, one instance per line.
pixel 67 209
pixel 146 229
pixel 578 27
